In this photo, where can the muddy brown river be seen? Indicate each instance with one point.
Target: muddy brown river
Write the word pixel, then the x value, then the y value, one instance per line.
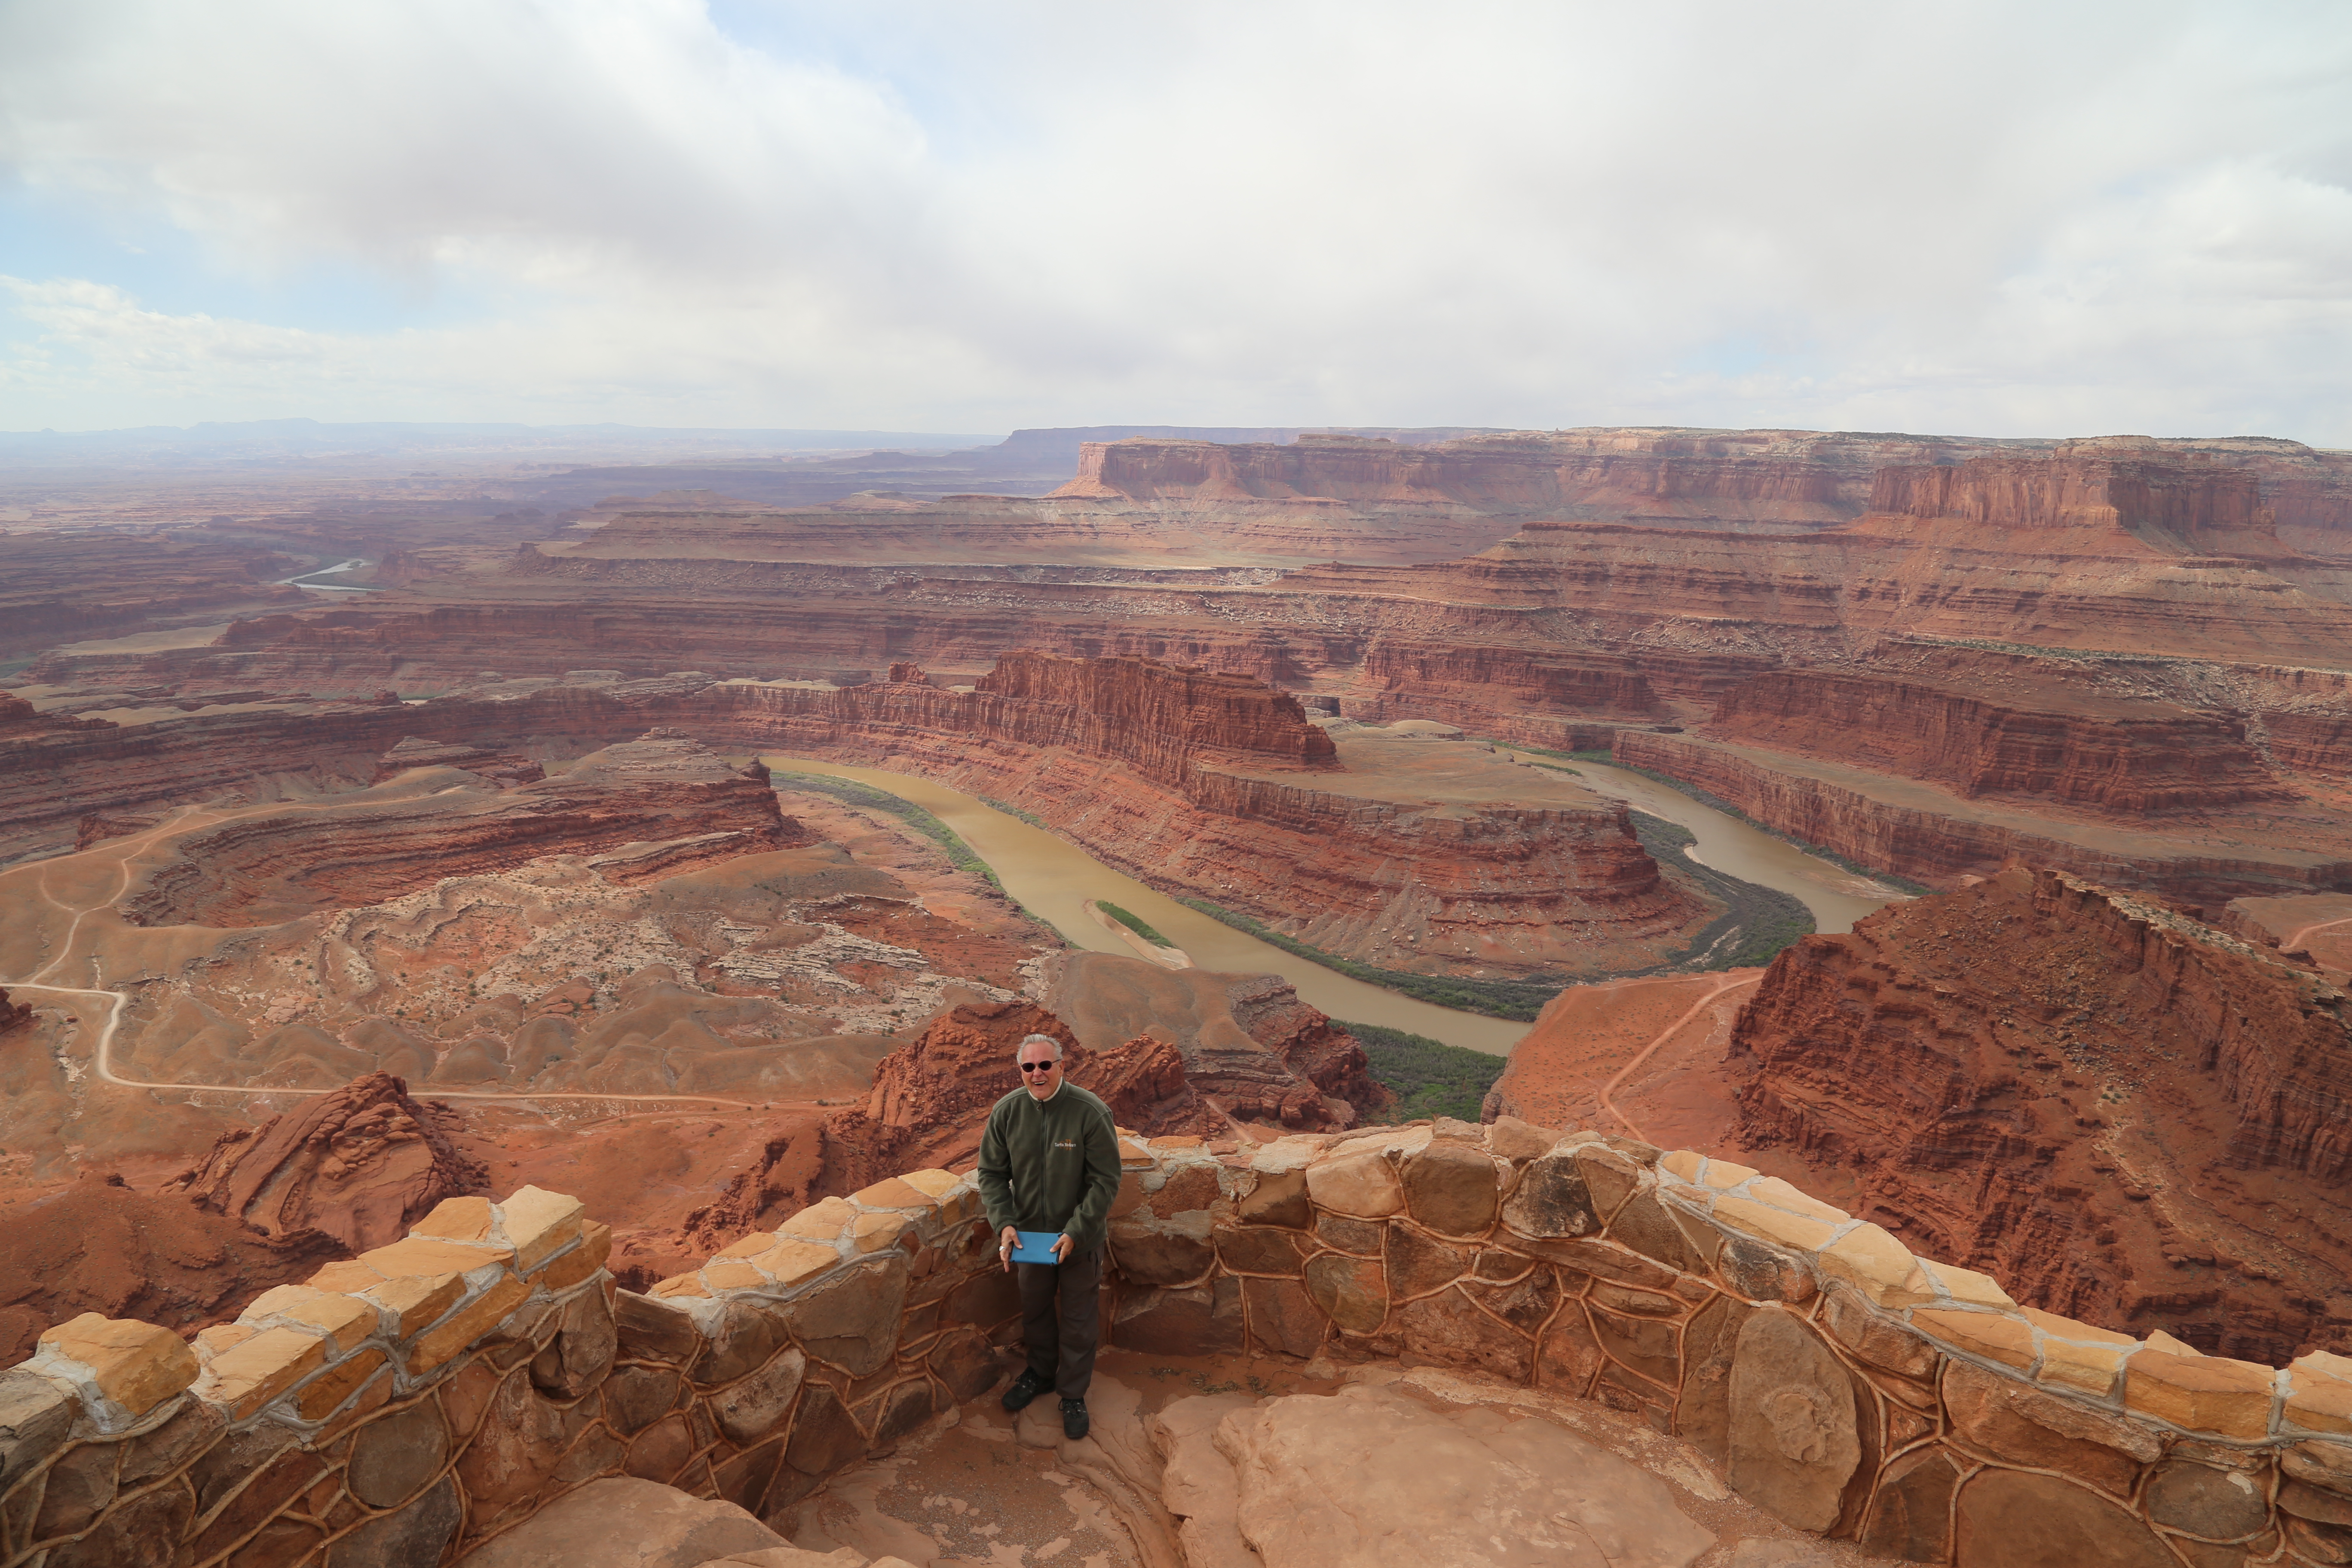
pixel 1053 878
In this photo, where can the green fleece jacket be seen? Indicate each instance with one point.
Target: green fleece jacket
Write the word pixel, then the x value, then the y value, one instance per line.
pixel 1050 1165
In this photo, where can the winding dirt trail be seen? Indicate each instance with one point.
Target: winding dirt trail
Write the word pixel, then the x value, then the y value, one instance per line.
pixel 186 819
pixel 1610 1089
pixel 2292 943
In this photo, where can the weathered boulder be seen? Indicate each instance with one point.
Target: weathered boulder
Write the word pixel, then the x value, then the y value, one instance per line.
pixel 749 1410
pixel 1450 1188
pixel 1552 1200
pixel 1793 1441
pixel 2015 1518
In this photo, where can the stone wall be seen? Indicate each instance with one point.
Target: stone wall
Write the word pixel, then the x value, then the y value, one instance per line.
pixel 432 1394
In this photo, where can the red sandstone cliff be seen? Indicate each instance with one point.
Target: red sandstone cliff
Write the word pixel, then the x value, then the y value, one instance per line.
pixel 416 752
pixel 930 1098
pixel 2123 1115
pixel 1714 478
pixel 1159 718
pixel 61 587
pixel 1396 881
pixel 1246 1042
pixel 1933 841
pixel 2185 502
pixel 12 1014
pixel 2129 758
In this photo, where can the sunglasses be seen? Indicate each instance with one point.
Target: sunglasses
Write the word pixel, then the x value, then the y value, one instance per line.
pixel 1039 1066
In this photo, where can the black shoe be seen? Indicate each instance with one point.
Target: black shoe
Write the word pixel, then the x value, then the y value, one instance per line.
pixel 1074 1419
pixel 1025 1388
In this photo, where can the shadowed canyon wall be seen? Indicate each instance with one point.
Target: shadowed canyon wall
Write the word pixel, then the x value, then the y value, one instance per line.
pixel 2127 1115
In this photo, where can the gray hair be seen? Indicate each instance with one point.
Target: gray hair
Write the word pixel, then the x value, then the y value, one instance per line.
pixel 1029 1040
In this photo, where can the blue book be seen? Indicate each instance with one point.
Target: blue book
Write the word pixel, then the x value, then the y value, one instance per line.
pixel 1036 1246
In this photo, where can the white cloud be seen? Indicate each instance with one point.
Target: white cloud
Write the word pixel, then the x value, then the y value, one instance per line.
pixel 1993 218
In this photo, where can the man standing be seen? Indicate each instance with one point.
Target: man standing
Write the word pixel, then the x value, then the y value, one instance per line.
pixel 1049 1162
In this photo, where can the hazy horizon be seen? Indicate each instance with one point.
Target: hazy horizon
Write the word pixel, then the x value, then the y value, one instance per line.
pixel 771 215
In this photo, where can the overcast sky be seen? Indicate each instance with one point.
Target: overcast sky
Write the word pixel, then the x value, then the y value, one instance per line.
pixel 1984 218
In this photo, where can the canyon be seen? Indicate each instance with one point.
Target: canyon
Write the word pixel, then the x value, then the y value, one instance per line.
pixel 510 863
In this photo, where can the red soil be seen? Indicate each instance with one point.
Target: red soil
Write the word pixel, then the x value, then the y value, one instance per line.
pixel 93 1245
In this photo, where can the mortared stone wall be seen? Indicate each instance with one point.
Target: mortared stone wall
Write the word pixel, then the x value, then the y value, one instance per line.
pixel 406 1405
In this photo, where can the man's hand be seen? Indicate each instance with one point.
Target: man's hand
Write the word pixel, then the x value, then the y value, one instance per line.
pixel 1004 1246
pixel 1062 1247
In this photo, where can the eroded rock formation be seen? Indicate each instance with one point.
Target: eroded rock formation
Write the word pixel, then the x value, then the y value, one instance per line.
pixel 62 587
pixel 1247 1041
pixel 416 752
pixel 1719 478
pixel 931 1098
pixel 2187 501
pixel 2128 1115
pixel 359 1164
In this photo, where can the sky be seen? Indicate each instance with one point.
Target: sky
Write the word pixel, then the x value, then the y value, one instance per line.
pixel 1996 219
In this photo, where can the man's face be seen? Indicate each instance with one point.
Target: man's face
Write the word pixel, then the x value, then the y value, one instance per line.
pixel 1040 1073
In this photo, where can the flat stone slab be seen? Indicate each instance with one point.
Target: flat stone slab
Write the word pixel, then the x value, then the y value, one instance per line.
pixel 624 1522
pixel 1368 1477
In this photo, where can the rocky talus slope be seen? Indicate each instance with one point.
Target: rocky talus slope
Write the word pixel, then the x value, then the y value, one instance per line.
pixel 2126 1114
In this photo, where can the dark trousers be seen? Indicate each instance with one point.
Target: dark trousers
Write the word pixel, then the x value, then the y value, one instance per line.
pixel 1061 1320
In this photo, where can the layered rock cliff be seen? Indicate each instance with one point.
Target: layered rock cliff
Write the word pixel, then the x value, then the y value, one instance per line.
pixel 931 1098
pixel 2129 758
pixel 1159 718
pixel 1246 1042
pixel 264 870
pixel 2132 1117
pixel 361 1164
pixel 1388 876
pixel 2186 503
pixel 1704 477
pixel 60 587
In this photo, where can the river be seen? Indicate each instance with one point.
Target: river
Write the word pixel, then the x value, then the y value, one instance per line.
pixel 1053 878
pixel 1837 897
pixel 309 579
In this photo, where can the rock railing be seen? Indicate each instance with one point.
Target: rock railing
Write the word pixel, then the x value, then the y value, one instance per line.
pixel 406 1406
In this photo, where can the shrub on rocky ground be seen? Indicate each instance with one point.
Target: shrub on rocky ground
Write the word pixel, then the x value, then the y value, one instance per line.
pixel 1429 1077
